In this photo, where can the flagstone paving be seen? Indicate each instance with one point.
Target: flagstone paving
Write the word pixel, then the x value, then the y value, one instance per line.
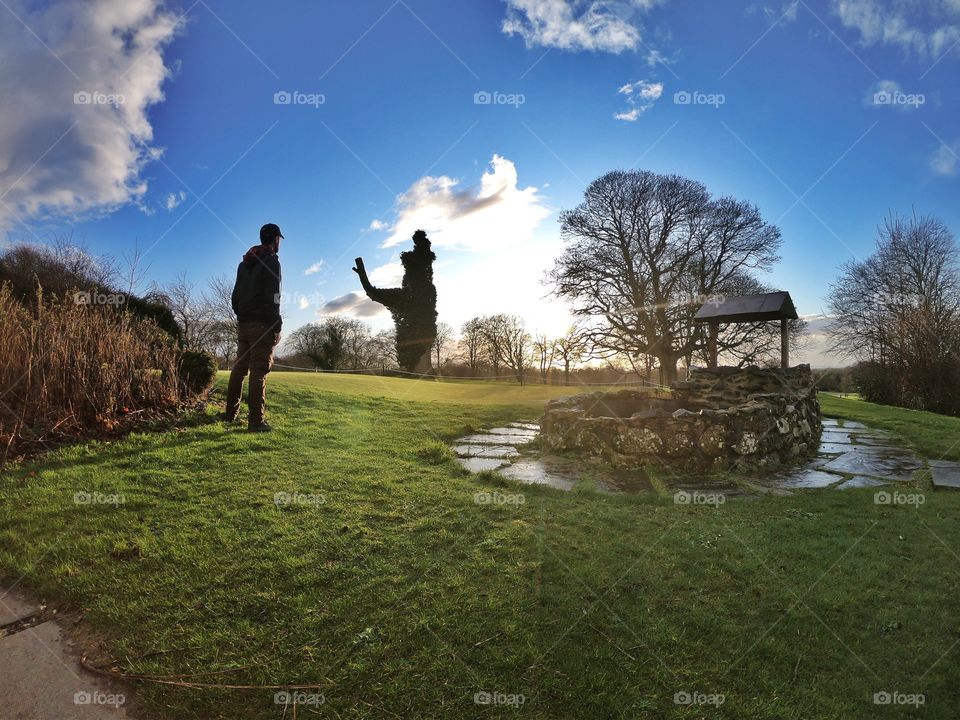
pixel 850 455
pixel 40 677
pixel 860 482
pixel 946 474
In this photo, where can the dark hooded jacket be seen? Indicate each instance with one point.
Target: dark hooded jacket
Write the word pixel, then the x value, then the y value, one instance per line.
pixel 256 294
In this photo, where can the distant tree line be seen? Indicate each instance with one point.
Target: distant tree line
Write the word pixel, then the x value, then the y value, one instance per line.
pixel 488 346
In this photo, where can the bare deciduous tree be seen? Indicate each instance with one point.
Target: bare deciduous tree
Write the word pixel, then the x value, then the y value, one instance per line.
pixel 514 341
pixel 643 252
pixel 544 350
pixel 570 349
pixel 899 311
pixel 442 342
pixel 472 343
pixel 191 309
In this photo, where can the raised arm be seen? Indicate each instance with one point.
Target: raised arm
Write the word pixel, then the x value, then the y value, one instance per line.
pixel 388 297
pixel 364 280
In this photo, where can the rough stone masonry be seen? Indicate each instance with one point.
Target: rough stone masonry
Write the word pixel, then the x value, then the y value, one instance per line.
pixel 717 418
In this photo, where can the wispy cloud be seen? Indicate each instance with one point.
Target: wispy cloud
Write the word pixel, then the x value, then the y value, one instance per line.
pixel 315 268
pixel 641 96
pixel 780 13
pixel 173 200
pixel 598 25
pixel 946 159
pixel 926 29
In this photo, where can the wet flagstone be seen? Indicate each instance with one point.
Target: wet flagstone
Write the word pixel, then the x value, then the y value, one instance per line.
pixel 850 455
pixel 499 439
pixel 519 432
pixel 860 482
pixel 539 471
pixel 836 437
pixel 525 426
pixel 945 474
pixel 883 463
pixel 479 464
pixel 830 448
pixel 807 478
pixel 487 451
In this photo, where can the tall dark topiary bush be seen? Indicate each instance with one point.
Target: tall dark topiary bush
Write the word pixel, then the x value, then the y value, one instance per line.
pixel 413 305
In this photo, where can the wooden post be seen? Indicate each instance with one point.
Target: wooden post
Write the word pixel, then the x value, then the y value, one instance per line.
pixel 712 344
pixel 784 344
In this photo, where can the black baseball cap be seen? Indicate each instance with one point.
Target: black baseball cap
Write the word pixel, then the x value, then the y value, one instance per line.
pixel 269 232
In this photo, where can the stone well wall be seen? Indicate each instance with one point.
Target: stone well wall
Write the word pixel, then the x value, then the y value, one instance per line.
pixel 717 418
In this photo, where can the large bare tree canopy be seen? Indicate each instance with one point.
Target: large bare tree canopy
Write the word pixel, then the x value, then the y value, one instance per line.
pixel 643 251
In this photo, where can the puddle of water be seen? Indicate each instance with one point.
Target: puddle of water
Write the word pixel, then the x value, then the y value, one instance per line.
pixel 807 478
pixel 486 439
pixel 836 437
pixel 487 451
pixel 537 471
pixel 519 432
pixel 831 448
pixel 479 464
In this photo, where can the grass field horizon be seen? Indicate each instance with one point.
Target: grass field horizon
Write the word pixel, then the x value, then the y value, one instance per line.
pixel 390 591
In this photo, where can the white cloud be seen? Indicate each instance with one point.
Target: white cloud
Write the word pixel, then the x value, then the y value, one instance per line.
pixel 173 200
pixel 641 96
pixel 354 303
pixel 926 29
pixel 303 302
pixel 493 248
pixel 815 345
pixel 498 212
pixel 377 225
pixel 73 121
pixel 389 275
pixel 599 25
pixel 315 268
pixel 946 159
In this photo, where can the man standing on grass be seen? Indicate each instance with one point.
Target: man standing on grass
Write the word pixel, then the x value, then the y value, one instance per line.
pixel 256 302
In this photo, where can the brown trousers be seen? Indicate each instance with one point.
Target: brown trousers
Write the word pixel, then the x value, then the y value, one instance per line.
pixel 255 341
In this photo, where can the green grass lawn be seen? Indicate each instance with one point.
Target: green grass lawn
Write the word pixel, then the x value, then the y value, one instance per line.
pixel 390 590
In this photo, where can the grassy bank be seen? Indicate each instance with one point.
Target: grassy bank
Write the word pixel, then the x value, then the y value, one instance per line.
pixel 388 588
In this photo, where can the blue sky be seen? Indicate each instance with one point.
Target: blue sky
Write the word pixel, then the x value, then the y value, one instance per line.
pixel 827 114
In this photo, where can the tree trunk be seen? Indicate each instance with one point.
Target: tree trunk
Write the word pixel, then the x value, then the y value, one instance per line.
pixel 423 364
pixel 668 370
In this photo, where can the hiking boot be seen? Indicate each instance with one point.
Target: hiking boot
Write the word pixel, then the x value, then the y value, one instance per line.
pixel 227 417
pixel 262 427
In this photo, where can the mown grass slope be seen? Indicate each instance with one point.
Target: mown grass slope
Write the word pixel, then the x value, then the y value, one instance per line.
pixel 394 593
